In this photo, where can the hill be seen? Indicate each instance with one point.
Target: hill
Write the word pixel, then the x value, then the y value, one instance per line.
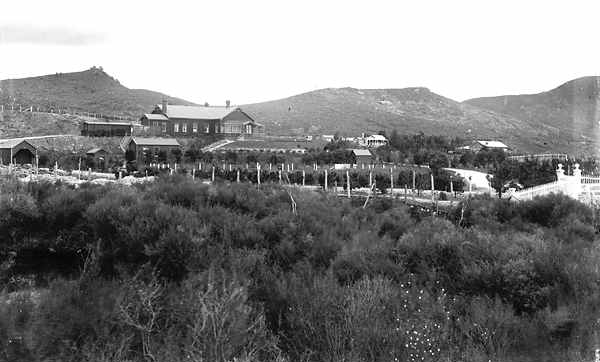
pixel 571 111
pixel 410 110
pixel 92 90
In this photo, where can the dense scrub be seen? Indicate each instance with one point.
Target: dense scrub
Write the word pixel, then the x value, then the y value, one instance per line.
pixel 180 271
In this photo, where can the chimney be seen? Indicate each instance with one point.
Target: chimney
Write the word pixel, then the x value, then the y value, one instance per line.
pixel 165 103
pixel 227 103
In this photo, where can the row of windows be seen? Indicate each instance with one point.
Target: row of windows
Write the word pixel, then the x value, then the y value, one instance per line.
pixel 180 126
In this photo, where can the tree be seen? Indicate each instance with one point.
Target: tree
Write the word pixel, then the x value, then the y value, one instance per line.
pixel 501 175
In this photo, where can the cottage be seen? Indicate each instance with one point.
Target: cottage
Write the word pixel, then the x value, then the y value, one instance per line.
pixel 146 150
pixel 106 129
pixel 181 121
pixel 17 151
pixel 362 157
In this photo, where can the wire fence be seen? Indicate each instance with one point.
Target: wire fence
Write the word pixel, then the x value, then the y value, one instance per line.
pixel 26 108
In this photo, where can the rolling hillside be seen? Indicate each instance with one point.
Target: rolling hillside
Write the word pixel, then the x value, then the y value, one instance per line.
pixel 92 90
pixel 562 120
pixel 571 111
pixel 352 111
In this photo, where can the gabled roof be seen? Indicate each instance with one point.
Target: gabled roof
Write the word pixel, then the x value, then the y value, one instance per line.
pixel 155 141
pixel 198 112
pixel 155 117
pixel 492 144
pixel 359 152
pixel 12 143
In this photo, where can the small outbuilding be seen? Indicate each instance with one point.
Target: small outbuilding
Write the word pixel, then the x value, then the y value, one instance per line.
pixel 362 157
pixel 96 158
pixel 17 151
pixel 150 149
pixel 106 129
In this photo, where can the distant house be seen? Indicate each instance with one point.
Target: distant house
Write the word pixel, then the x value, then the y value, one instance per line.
pixel 373 141
pixel 477 146
pixel 362 157
pixel 185 121
pixel 106 129
pixel 328 137
pixel 17 151
pixel 96 158
pixel 154 149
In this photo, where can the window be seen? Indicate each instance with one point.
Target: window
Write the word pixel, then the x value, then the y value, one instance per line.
pixel 184 127
pixel 175 127
pixel 207 128
pixel 164 127
pixel 155 124
pixel 195 127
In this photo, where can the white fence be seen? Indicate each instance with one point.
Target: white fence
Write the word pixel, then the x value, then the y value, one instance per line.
pixel 583 188
pixel 540 190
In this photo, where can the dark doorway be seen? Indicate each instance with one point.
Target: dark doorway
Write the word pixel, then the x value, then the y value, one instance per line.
pixel 23 156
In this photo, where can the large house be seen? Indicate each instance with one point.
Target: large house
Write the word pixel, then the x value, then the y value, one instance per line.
pixel 372 141
pixel 182 121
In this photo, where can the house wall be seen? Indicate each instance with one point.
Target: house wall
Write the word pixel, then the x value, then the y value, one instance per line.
pixel 153 150
pixel 101 130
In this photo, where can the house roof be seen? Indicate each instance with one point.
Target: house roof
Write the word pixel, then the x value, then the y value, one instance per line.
pixel 12 143
pixel 377 137
pixel 155 116
pixel 198 112
pixel 154 141
pixel 95 150
pixel 109 123
pixel 360 152
pixel 492 144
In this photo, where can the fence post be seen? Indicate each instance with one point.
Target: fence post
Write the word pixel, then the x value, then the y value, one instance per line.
pixel 303 177
pixel 325 179
pixel 348 182
pixel 258 174
pixel 432 189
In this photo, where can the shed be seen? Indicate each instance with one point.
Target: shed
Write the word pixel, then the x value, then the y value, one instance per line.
pixel 17 151
pixel 362 157
pixel 96 158
pixel 150 149
pixel 106 129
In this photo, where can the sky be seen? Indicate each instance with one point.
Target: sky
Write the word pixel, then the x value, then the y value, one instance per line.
pixel 252 51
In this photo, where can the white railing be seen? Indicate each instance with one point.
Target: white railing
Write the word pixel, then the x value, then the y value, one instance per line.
pixel 590 180
pixel 540 190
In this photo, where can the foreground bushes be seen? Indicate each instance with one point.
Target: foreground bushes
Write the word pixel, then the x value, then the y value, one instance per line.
pixel 176 271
